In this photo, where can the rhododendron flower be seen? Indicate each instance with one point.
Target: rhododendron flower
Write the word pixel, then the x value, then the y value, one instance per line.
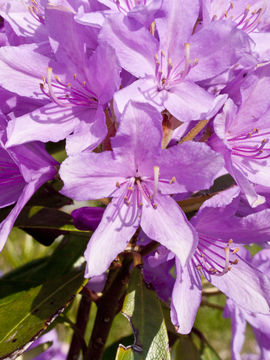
pixel 139 175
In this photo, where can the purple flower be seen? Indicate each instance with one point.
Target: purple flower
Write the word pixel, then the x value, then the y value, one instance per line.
pixel 23 169
pixel 260 323
pixel 75 89
pixel 139 175
pixel 222 261
pixel 170 70
pixel 243 135
pixel 144 12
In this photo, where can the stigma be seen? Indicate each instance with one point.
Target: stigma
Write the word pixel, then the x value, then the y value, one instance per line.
pixel 168 74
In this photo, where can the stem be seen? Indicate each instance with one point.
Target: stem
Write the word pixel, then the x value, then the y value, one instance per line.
pixel 147 249
pixel 108 307
pixel 194 131
pixel 81 322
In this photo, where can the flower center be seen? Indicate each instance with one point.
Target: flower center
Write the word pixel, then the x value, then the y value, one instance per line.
pixel 211 257
pixel 247 19
pixel 138 187
pixel 72 94
pixel 167 74
pixel 251 145
pixel 36 11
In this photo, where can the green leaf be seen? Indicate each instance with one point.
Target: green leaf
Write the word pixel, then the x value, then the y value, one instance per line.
pixel 209 354
pixel 185 349
pixel 45 224
pixel 142 308
pixel 124 353
pixel 109 353
pixel 33 295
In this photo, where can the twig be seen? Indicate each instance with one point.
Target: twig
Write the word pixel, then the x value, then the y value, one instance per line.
pixel 77 342
pixel 108 307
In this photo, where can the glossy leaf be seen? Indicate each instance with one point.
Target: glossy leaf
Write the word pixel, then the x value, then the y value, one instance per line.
pixel 32 296
pixel 143 310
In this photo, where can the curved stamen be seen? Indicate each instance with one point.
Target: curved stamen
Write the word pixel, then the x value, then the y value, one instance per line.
pixel 51 92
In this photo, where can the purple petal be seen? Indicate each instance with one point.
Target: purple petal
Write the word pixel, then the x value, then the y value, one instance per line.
pixel 93 176
pixel 111 237
pixel 247 286
pixel 135 48
pixel 133 140
pixel 171 229
pixel 186 297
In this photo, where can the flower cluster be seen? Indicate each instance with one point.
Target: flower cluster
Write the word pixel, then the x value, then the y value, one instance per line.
pixel 155 101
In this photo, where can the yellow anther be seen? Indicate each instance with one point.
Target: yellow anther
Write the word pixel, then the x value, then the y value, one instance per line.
pixel 235 251
pixel 170 62
pixel 195 62
pixel 226 13
pixel 57 78
pixel 154 205
pixel 130 188
pixel 249 135
pixel 140 204
pixel 118 184
pixel 229 268
pixel 42 85
pixel 232 4
pixel 34 2
pixel 235 262
pixel 156 57
pixel 75 76
pixel 84 83
pixel 230 241
pixel 248 7
pixel 173 179
pixel 162 52
pixel 199 267
pixel 43 79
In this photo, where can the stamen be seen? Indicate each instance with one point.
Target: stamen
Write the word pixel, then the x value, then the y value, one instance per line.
pixel 49 82
pixel 156 177
pixel 227 261
pixel 173 179
pixel 118 184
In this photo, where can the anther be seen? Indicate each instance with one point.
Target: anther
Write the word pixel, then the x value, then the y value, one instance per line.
pixel 199 267
pixel 140 204
pixel 173 179
pixel 235 262
pixel 84 83
pixel 57 78
pixel 230 241
pixel 154 205
pixel 162 52
pixel 130 188
pixel 74 76
pixel 235 250
pixel 118 184
pixel 170 62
